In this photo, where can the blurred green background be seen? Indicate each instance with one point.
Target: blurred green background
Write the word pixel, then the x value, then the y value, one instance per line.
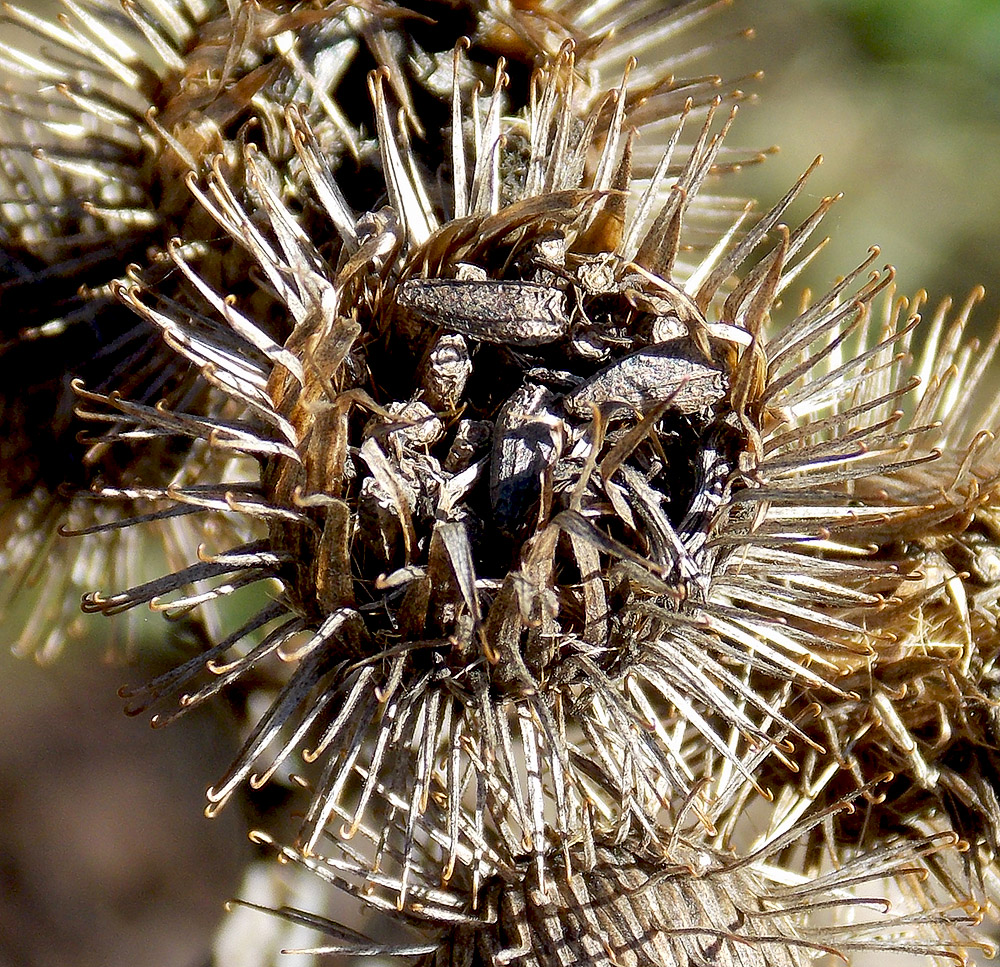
pixel 902 98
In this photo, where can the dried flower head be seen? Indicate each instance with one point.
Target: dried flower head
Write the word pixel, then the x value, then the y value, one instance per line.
pixel 462 580
pixel 105 114
pixel 535 490
pixel 921 705
pixel 95 115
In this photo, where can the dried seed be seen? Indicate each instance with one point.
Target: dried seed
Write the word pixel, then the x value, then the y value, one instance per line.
pixel 524 444
pixel 516 313
pixel 675 371
pixel 445 370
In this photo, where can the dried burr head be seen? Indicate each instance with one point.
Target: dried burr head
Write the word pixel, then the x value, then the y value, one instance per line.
pixel 432 442
pixel 566 524
pixel 104 116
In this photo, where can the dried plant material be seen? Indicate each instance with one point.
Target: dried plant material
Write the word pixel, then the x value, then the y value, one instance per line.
pixel 922 705
pixel 691 902
pixel 567 604
pixel 100 127
pixel 579 549
pixel 103 116
pixel 495 604
pixel 82 197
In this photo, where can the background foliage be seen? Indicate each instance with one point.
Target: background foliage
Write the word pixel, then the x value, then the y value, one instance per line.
pixel 902 98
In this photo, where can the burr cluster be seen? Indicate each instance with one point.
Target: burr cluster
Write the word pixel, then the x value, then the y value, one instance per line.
pixel 609 610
